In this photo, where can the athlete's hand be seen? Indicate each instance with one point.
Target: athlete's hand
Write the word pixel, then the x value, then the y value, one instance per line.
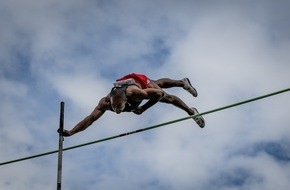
pixel 138 110
pixel 65 133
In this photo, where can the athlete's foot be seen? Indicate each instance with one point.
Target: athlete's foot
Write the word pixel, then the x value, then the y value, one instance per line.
pixel 188 87
pixel 199 119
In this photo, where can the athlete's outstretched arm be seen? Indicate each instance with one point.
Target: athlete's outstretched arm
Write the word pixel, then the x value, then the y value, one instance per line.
pixel 151 94
pixel 87 121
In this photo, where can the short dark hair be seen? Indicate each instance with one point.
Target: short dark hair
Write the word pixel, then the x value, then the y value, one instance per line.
pixel 118 92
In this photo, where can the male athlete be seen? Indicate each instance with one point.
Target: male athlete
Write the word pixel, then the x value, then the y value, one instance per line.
pixel 128 93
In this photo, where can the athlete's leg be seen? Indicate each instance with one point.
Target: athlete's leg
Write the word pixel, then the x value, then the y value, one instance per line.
pixel 171 99
pixel 174 100
pixel 169 83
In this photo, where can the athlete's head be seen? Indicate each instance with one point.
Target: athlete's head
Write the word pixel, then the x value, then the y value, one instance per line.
pixel 118 100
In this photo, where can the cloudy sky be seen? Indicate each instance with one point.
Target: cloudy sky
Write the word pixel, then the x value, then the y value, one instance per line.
pixel 72 51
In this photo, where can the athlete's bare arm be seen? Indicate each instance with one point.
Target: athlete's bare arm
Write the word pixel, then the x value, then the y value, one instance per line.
pixel 151 94
pixel 101 108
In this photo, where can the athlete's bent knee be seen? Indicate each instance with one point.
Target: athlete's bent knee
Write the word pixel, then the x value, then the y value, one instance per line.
pixel 167 99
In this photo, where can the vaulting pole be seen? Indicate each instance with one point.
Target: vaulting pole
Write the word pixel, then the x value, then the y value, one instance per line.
pixel 60 146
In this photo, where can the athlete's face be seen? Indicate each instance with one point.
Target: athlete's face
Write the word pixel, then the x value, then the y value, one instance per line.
pixel 118 104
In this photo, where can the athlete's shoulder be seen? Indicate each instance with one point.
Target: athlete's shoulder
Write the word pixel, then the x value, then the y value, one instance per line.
pixel 104 103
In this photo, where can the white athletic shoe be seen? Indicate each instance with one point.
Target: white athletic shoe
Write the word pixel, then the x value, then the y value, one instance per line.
pixel 199 119
pixel 188 87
